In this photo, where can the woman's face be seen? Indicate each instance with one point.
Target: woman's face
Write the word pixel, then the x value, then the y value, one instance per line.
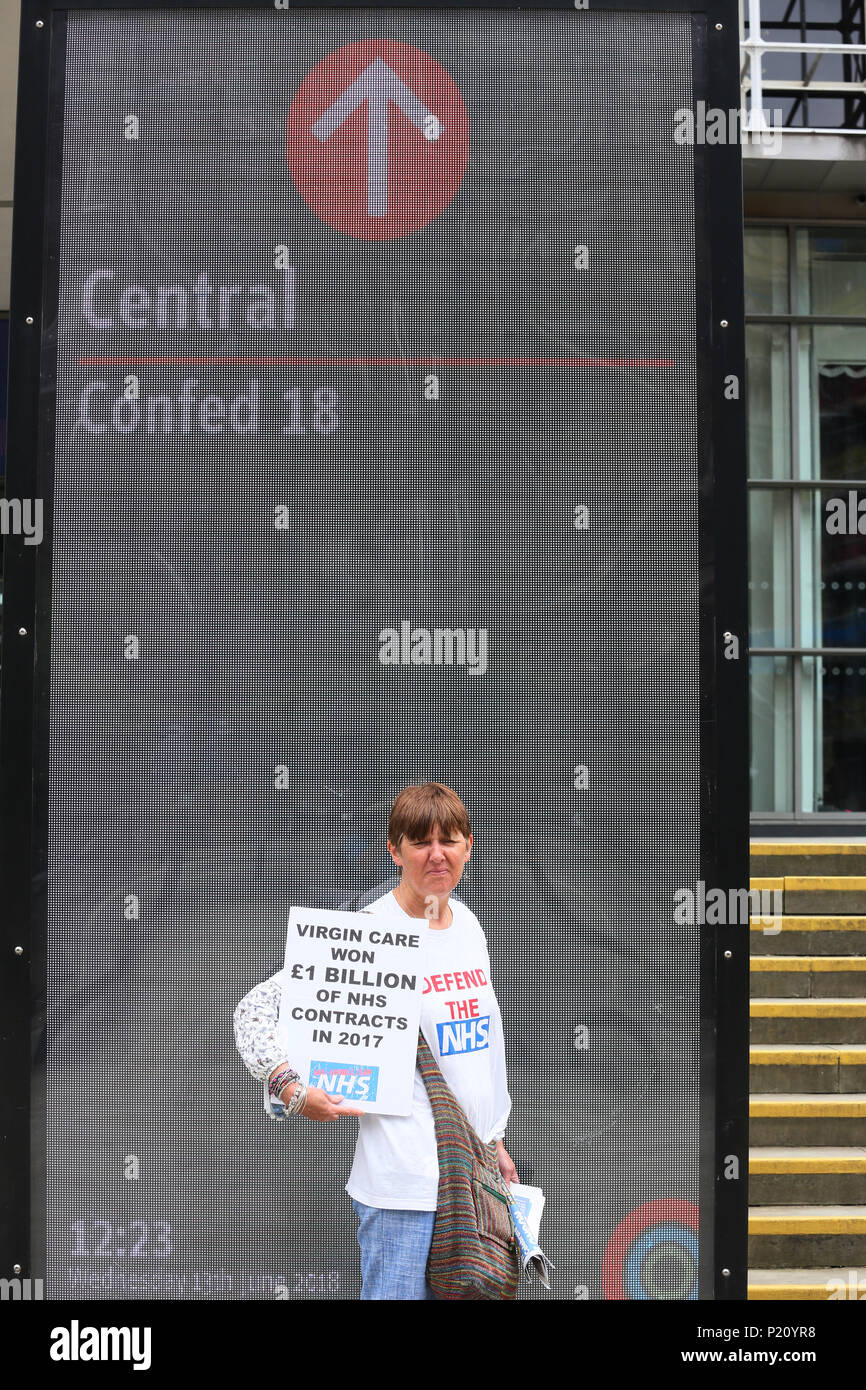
pixel 433 865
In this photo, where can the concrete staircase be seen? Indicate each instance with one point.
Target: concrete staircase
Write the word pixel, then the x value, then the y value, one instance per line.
pixel 807 1133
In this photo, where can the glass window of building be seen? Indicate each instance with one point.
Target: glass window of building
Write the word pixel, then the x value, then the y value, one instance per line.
pixel 806 383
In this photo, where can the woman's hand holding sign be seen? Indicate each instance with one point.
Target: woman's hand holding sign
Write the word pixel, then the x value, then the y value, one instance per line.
pixel 317 1104
pixel 320 1106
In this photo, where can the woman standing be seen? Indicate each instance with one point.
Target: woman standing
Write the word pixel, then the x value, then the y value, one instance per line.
pixel 395 1174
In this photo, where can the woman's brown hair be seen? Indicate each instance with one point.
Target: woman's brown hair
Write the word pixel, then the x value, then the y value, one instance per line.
pixel 418 808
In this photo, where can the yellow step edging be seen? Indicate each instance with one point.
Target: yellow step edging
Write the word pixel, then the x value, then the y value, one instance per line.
pixel 808 1284
pixel 821 1107
pixel 810 924
pixel 806 1160
pixel 798 847
pixel 806 1221
pixel 812 883
pixel 807 1008
pixel 757 1293
pixel 821 965
pixel 807 1055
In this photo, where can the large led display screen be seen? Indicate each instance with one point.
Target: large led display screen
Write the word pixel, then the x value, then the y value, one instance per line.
pixel 377 458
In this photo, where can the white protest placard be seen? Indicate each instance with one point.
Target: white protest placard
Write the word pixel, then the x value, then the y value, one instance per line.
pixel 351 1004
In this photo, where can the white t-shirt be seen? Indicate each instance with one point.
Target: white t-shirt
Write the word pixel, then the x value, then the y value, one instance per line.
pixel 395 1158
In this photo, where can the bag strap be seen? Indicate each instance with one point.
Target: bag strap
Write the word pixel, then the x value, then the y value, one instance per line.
pixel 427 1064
pixel 447 1110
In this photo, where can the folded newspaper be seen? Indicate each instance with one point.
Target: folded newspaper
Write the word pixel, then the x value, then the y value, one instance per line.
pixel 527 1204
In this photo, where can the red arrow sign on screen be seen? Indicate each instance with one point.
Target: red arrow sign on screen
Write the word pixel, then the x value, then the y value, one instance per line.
pixel 378 139
pixel 377 85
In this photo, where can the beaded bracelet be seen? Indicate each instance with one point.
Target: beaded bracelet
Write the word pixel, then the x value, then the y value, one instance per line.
pixel 281 1078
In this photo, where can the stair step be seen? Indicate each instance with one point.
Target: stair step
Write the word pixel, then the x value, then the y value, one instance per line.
pixel 827 1283
pixel 806 1118
pixel 823 893
pixel 810 1021
pixel 805 977
pixel 807 1220
pixel 810 935
pixel 835 1068
pixel 797 1175
pixel 808 857
pixel 782 1236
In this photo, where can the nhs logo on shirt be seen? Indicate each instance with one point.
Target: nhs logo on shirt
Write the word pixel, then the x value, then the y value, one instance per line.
pixel 352 1080
pixel 463 1035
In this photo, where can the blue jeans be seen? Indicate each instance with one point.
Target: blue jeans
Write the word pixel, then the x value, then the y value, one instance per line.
pixel 394 1248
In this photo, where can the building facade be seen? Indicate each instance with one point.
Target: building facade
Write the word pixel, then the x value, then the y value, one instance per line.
pixel 805 268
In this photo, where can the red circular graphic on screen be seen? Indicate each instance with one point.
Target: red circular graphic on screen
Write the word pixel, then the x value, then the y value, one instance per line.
pixel 644 1220
pixel 378 139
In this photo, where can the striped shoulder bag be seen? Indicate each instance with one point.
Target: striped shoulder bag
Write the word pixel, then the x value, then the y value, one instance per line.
pixel 474 1252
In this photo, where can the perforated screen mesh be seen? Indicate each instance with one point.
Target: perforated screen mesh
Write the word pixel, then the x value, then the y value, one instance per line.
pixel 380 427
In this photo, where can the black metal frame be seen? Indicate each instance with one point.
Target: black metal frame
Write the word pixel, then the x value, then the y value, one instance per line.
pixel 723 609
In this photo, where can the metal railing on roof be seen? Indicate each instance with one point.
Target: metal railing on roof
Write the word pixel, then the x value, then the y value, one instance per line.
pixel 847 87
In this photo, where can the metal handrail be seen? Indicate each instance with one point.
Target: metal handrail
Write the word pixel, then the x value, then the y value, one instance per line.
pixel 753 49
